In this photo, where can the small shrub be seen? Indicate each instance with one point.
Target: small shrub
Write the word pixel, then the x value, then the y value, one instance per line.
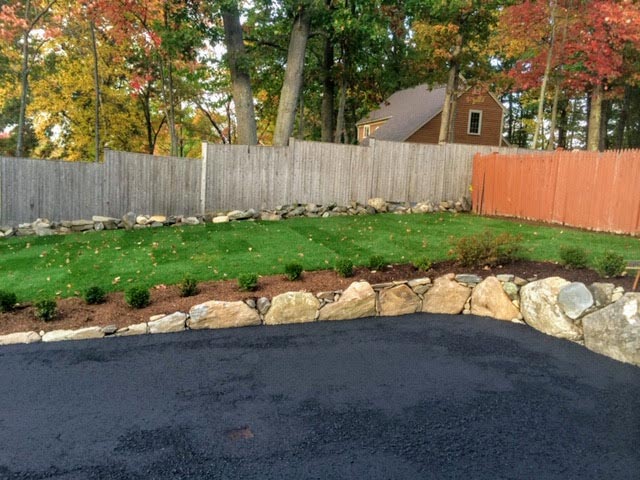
pixel 188 286
pixel 137 297
pixel 376 262
pixel 95 295
pixel 573 257
pixel 487 249
pixel 46 309
pixel 344 267
pixel 8 301
pixel 610 264
pixel 423 263
pixel 293 271
pixel 248 282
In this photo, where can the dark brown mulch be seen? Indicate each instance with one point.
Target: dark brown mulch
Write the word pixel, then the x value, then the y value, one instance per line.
pixel 74 313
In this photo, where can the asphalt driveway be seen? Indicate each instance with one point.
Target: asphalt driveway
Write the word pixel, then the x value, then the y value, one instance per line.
pixel 421 396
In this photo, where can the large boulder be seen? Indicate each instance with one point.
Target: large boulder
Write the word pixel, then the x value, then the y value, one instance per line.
pixel 216 314
pixel 490 300
pixel 379 204
pixel 357 301
pixel 446 296
pixel 540 309
pixel 398 300
pixel 614 331
pixel 575 299
pixel 168 323
pixel 292 307
pixel 81 334
pixel 19 337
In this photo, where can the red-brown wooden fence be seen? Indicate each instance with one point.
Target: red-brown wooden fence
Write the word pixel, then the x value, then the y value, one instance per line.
pixel 598 191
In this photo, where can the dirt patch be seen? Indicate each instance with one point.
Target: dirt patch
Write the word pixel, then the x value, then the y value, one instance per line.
pixel 74 313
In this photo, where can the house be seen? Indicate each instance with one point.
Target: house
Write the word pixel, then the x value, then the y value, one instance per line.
pixel 413 115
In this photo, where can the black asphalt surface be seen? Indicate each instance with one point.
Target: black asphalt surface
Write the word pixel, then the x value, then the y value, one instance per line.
pixel 414 397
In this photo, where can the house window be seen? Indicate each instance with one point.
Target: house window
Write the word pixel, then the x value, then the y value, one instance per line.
pixel 367 131
pixel 475 122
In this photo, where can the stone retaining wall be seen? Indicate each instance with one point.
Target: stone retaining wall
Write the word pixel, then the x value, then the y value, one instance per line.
pixel 600 316
pixel 133 221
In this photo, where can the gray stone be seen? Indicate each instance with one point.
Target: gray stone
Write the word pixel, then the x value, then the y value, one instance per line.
pixel 42 227
pixel 446 296
pixel 220 314
pixel 81 334
pixel 135 329
pixel 468 278
pixel 220 219
pixel 575 299
pixel 98 226
pixel 505 277
pixel 101 219
pixel 511 289
pixel 251 303
pixel 191 221
pixel 602 293
pixel 168 323
pixel 399 300
pixel 263 305
pixel 490 300
pixel 614 331
pixel 520 282
pixel 129 220
pixel 418 282
pixel 292 307
pixel 20 337
pixel 540 309
pixel 357 301
pixel 109 329
pixel 241 215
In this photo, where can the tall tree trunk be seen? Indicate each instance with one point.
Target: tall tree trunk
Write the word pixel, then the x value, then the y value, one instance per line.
pixel 624 116
pixel 292 78
pixel 446 118
pixel 595 115
pixel 562 126
pixel 339 136
pixel 96 90
pixel 328 91
pixel 545 78
pixel 246 130
pixel 604 120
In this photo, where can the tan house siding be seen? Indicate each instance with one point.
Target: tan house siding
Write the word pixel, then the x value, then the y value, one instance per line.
pixel 428 133
pixel 372 128
pixel 491 127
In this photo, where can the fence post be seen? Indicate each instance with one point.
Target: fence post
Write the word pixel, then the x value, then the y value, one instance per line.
pixel 203 179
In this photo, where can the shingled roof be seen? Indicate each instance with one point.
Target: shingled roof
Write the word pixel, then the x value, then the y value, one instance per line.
pixel 406 111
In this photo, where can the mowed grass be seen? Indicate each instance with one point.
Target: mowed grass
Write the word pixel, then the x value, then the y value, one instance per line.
pixel 35 267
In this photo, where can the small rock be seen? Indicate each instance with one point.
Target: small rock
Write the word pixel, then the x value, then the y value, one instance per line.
pixel 511 289
pixel 191 221
pixel 505 277
pixel 575 299
pixel 251 303
pixel 263 305
pixel 135 329
pixel 379 204
pixel 157 219
pixel 109 329
pixel 270 217
pixel 169 323
pixel 602 293
pixel 142 219
pixel 468 278
pixel 220 219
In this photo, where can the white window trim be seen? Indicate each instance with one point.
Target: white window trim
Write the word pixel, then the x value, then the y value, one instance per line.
pixel 469 132
pixel 367 131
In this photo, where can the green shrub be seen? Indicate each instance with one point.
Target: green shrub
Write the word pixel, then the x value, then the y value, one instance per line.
pixel 344 267
pixel 573 257
pixel 188 286
pixel 8 301
pixel 94 295
pixel 376 262
pixel 248 282
pixel 46 309
pixel 137 297
pixel 423 264
pixel 293 271
pixel 487 249
pixel 610 264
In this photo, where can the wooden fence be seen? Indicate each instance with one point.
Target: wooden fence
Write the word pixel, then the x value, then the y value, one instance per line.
pixel 231 176
pixel 598 191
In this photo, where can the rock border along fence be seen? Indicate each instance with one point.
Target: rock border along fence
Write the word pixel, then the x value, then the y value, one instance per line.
pixel 601 316
pixel 233 176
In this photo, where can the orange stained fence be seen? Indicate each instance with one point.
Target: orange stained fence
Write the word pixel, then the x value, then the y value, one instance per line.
pixel 598 191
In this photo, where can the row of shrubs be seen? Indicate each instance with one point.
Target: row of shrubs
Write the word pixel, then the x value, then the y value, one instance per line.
pixel 475 251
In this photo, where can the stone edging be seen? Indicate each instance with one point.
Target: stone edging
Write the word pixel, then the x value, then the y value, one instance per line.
pixel 601 316
pixel 133 221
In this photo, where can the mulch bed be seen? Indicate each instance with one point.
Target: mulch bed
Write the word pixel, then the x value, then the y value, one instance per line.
pixel 74 313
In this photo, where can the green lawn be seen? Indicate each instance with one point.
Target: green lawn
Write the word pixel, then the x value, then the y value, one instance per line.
pixel 63 265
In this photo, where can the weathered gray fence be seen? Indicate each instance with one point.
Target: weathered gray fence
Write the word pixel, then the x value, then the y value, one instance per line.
pixel 232 176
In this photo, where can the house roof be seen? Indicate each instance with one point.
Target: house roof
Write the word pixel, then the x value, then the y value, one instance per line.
pixel 406 111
